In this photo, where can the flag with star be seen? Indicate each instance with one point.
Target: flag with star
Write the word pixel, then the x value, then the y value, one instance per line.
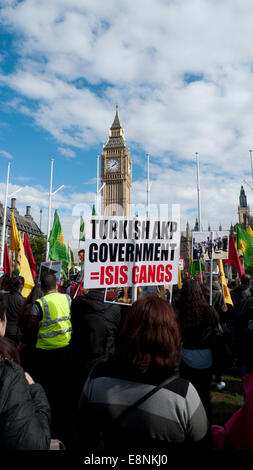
pixel 245 245
pixel 58 250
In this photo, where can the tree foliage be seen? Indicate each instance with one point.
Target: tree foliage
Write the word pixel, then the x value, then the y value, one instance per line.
pixel 39 246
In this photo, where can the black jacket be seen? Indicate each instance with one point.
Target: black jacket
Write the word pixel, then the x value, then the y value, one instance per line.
pixel 15 304
pixel 239 295
pixel 95 327
pixel 24 411
pixel 200 336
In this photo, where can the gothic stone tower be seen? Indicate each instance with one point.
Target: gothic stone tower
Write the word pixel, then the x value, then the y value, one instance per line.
pixel 116 172
pixel 243 210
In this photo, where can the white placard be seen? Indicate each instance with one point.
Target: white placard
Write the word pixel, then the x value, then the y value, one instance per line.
pixel 131 252
pixel 213 244
pixel 51 267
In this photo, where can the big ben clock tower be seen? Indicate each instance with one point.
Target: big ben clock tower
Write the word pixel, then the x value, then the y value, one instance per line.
pixel 116 172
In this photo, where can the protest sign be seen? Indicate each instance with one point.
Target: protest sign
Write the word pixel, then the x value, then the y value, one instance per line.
pixel 212 244
pixel 52 267
pixel 119 295
pixel 122 252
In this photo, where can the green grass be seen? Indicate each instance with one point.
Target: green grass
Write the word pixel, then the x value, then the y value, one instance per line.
pixel 229 400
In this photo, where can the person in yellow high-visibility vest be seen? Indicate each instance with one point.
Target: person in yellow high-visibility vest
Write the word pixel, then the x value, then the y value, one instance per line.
pixel 50 314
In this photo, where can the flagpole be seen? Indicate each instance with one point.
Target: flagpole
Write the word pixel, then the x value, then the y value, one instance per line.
pixel 148 185
pixel 250 152
pixel 199 208
pixel 4 219
pixel 198 191
pixel 211 272
pixel 171 293
pixel 49 207
pixel 97 192
pixel 40 218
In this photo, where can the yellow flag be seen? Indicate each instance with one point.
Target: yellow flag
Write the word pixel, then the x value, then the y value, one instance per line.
pixel 179 282
pixel 21 262
pixel 250 231
pixel 69 258
pixel 15 235
pixel 225 289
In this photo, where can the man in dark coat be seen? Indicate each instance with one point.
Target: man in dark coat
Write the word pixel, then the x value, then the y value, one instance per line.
pixel 240 293
pixel 95 328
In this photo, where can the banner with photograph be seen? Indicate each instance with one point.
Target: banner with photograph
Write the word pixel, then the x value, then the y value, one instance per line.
pixel 210 245
pixel 52 267
pixel 119 295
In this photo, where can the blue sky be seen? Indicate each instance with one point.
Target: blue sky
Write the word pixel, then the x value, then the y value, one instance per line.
pixel 181 73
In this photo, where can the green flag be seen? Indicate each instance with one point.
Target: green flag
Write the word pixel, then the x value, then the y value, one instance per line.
pixel 94 212
pixel 64 275
pixel 57 250
pixel 70 258
pixel 195 267
pixel 245 244
pixel 82 230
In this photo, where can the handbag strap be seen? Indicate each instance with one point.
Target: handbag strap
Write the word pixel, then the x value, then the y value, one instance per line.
pixel 134 405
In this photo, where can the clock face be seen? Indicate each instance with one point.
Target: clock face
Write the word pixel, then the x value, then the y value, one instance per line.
pixel 113 165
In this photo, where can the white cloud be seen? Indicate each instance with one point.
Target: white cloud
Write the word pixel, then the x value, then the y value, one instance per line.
pixel 69 206
pixel 66 152
pixel 5 154
pixel 180 71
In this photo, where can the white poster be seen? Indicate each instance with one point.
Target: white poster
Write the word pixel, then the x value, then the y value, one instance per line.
pixel 131 252
pixel 52 267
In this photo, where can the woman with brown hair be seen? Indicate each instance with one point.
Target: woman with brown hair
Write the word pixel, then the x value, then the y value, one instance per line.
pixel 199 326
pixel 136 399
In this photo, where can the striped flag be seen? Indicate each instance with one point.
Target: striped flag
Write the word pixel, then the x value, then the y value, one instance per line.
pixel 21 262
pixel 70 257
pixel 58 250
pixel 82 230
pixel 94 212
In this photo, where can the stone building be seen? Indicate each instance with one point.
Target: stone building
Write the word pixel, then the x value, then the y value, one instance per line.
pixel 25 223
pixel 245 219
pixel 186 246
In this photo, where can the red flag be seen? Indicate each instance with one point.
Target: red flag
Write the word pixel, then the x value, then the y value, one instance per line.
pixel 29 255
pixel 7 263
pixel 233 258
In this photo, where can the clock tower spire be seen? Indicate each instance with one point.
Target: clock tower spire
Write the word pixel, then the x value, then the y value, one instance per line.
pixel 116 172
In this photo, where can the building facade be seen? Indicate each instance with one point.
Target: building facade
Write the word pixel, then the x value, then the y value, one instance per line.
pixel 116 172
pixel 25 223
pixel 244 217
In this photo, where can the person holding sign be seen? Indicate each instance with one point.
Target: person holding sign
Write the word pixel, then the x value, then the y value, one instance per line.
pixel 50 315
pixel 136 400
pixel 95 329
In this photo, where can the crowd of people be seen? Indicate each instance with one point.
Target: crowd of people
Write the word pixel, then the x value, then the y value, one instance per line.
pixel 97 376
